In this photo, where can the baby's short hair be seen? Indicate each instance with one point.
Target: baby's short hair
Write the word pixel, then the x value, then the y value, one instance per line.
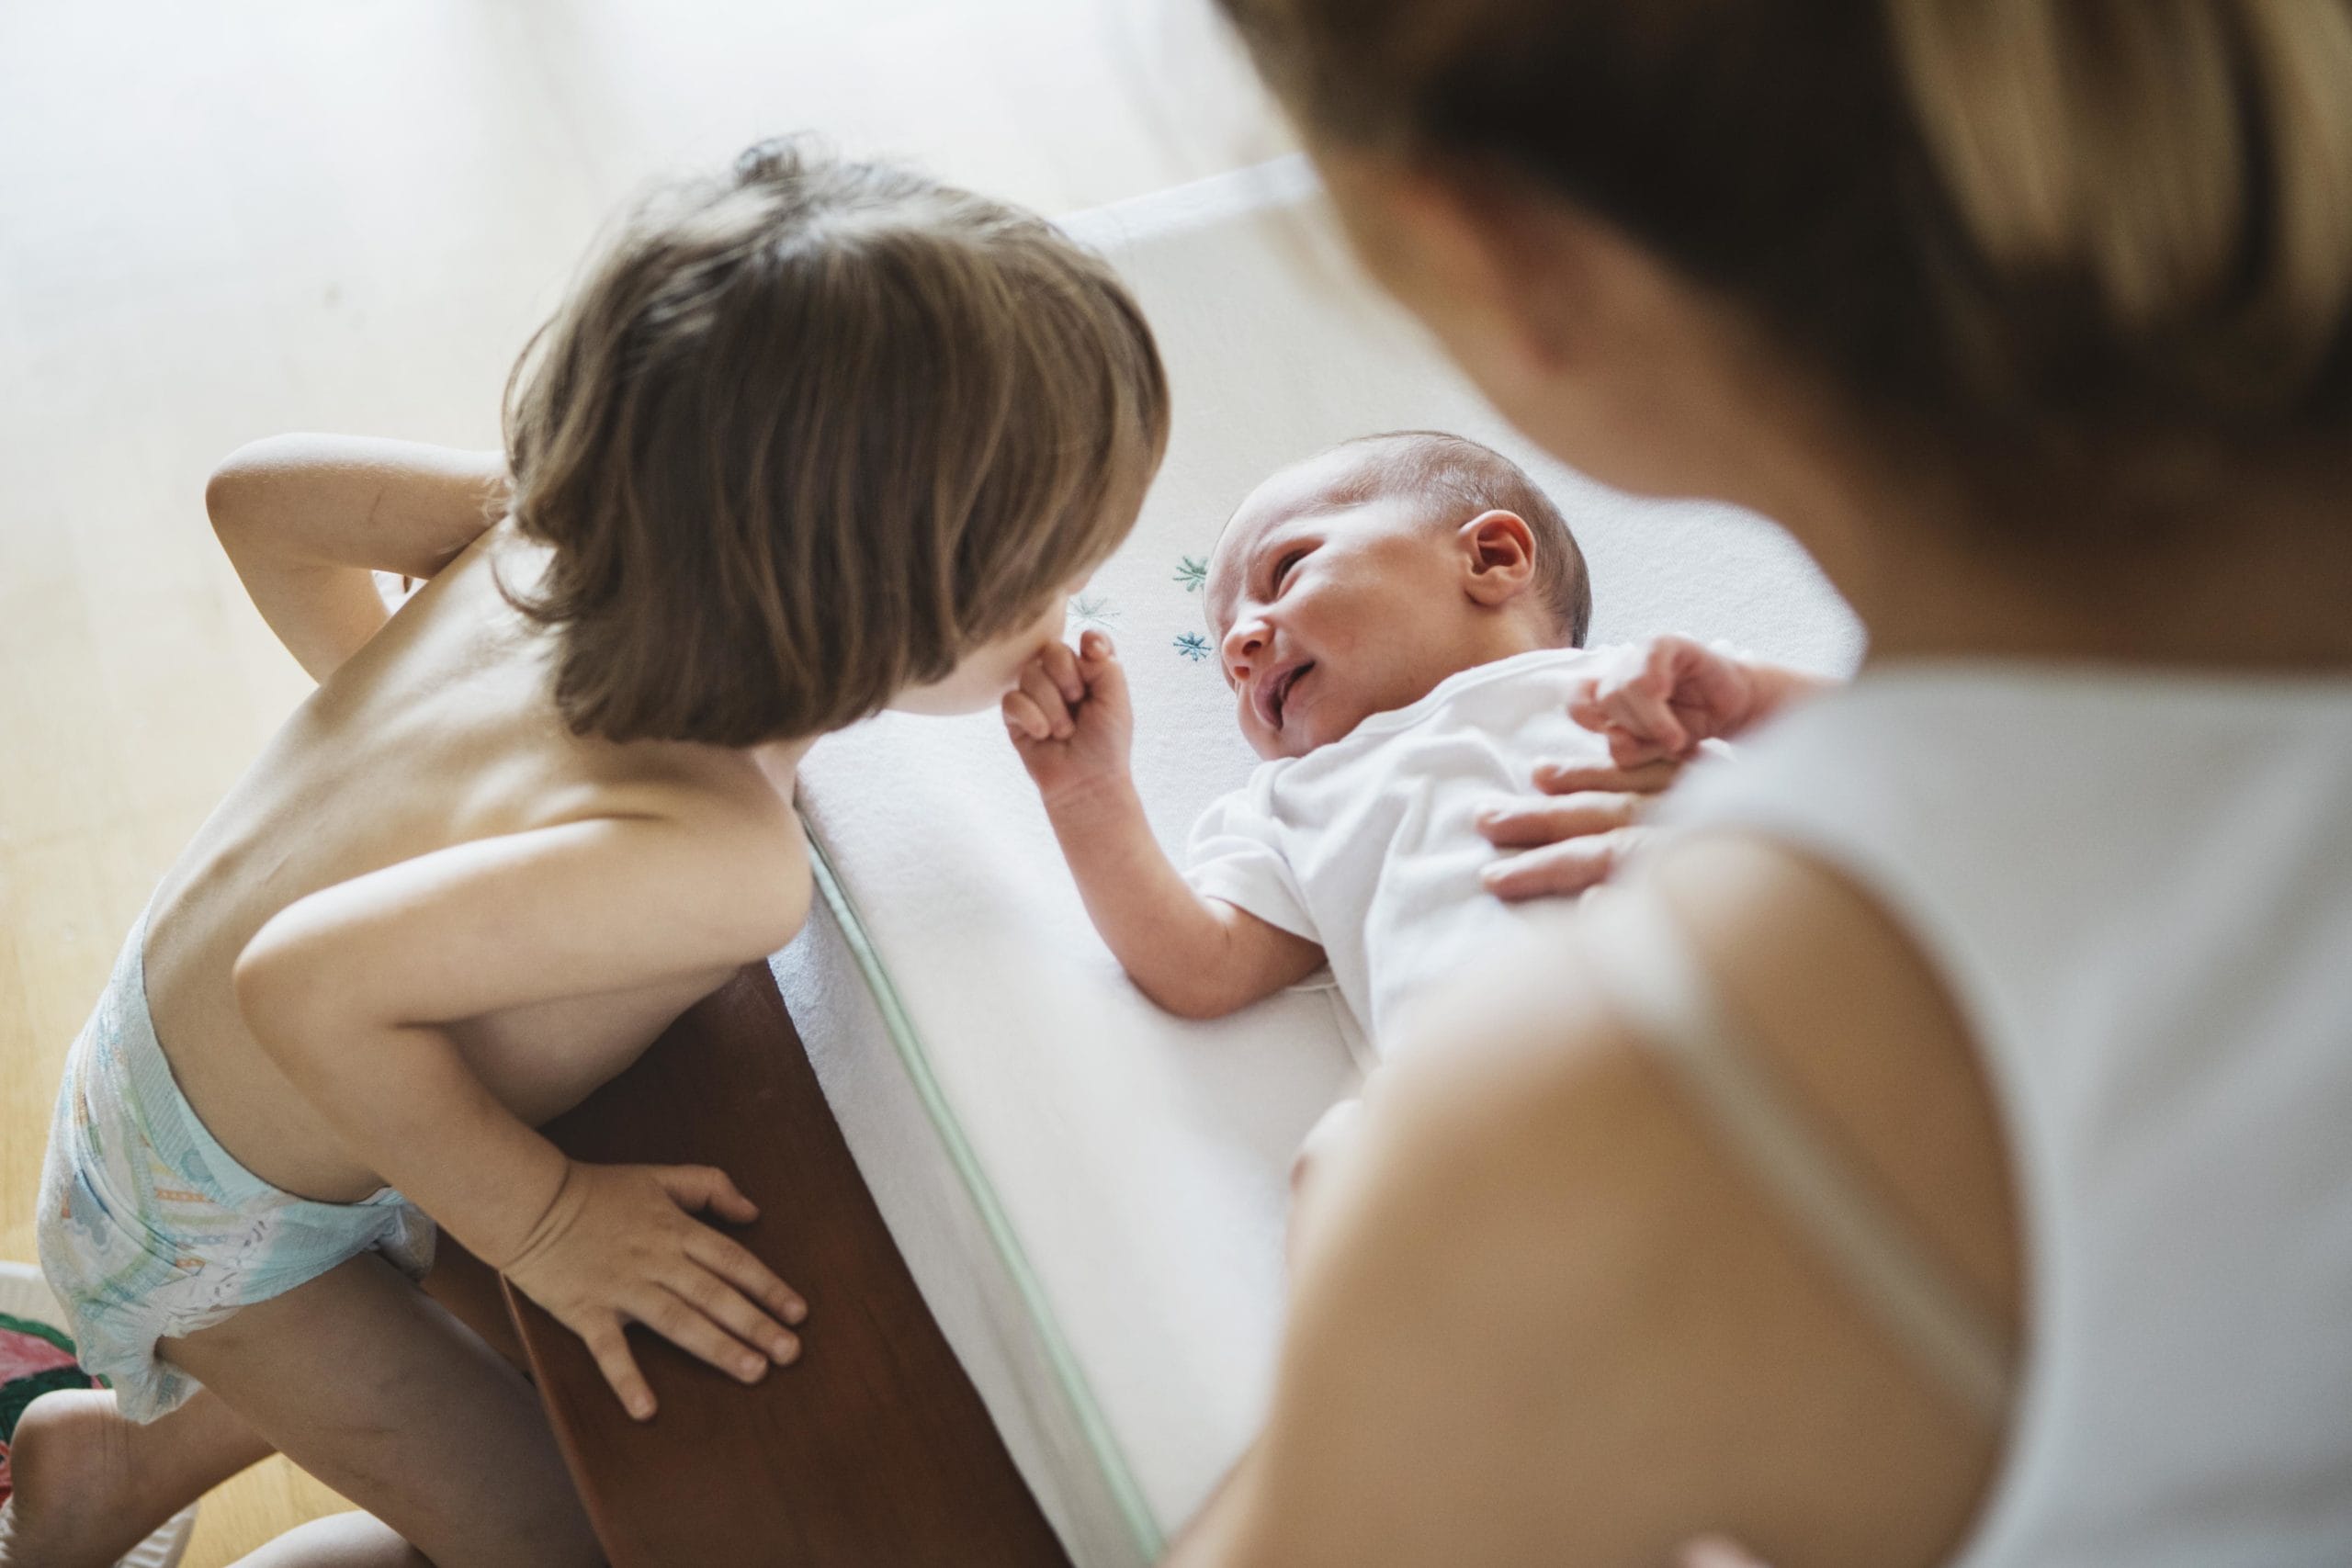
pixel 807 434
pixel 1470 478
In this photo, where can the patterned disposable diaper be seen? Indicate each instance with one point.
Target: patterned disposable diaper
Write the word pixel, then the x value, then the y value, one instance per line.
pixel 149 1229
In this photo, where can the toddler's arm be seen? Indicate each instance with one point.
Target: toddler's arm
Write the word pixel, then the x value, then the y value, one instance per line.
pixel 1196 956
pixel 353 991
pixel 1662 698
pixel 306 519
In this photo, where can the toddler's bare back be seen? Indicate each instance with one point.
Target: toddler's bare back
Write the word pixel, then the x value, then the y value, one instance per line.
pixel 439 732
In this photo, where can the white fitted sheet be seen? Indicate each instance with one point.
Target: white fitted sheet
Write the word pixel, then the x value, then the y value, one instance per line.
pixel 1091 1193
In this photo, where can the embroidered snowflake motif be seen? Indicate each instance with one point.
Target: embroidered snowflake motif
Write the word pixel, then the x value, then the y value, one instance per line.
pixel 1192 571
pixel 1093 610
pixel 1192 646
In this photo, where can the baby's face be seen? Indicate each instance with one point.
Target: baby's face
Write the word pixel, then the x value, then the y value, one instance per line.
pixel 1328 609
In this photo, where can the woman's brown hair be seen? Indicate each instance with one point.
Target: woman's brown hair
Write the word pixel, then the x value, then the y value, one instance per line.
pixel 806 435
pixel 2104 238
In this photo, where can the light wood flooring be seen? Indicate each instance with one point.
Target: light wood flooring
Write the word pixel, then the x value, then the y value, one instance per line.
pixel 219 221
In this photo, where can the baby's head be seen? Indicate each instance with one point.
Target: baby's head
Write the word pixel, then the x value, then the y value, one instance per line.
pixel 1354 582
pixel 818 437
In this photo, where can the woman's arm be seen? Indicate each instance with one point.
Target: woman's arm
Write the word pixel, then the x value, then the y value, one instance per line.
pixel 1540 1317
pixel 306 520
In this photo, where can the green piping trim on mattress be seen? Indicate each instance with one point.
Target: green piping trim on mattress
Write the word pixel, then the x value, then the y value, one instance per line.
pixel 1109 1457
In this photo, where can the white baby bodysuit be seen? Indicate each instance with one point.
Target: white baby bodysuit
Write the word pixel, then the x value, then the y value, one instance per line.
pixel 1370 847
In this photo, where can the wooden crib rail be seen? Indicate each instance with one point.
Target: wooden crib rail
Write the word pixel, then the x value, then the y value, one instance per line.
pixel 873 1449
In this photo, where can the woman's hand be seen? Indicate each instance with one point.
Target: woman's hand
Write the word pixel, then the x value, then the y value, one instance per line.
pixel 620 1245
pixel 1573 840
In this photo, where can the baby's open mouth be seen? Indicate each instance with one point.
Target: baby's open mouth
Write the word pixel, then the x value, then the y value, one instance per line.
pixel 1278 691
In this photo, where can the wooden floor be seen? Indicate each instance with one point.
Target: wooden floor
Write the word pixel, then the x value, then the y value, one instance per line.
pixel 219 221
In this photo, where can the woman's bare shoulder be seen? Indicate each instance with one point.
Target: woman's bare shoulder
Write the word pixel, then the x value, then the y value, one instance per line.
pixel 1844 1005
pixel 1539 1301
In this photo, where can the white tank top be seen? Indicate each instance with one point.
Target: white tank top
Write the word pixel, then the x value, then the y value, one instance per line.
pixel 2138 891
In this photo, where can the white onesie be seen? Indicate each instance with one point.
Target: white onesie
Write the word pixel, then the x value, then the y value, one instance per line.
pixel 1370 847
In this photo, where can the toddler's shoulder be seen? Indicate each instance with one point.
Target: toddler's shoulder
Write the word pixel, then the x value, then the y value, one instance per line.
pixel 744 844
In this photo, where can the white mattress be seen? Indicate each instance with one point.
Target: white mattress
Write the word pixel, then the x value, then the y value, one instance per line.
pixel 1091 1193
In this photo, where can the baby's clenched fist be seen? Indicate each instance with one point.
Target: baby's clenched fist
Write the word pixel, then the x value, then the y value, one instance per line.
pixel 1069 716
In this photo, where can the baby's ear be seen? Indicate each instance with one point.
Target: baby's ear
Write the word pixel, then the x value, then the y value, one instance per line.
pixel 1497 556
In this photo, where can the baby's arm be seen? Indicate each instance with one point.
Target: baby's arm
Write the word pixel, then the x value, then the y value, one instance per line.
pixel 353 992
pixel 306 519
pixel 1660 699
pixel 1196 956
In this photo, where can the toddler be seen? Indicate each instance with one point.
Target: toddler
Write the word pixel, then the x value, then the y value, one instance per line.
pixel 1402 621
pixel 810 439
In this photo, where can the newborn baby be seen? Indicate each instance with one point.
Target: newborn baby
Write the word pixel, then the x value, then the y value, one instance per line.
pixel 1401 620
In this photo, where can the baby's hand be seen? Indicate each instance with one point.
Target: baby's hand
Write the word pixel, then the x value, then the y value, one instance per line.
pixel 1069 718
pixel 1658 702
pixel 620 1245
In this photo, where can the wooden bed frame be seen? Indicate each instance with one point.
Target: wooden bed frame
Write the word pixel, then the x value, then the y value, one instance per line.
pixel 872 1448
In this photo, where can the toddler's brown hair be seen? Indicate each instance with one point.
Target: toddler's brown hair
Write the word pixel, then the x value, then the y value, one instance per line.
pixel 806 435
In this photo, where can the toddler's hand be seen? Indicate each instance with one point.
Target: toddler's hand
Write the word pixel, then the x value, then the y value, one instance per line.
pixel 620 1245
pixel 1069 718
pixel 1658 702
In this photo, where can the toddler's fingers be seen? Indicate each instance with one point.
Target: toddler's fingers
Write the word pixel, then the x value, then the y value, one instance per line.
pixel 724 1305
pixel 609 1346
pixel 1025 718
pixel 670 1315
pixel 1095 649
pixel 734 1262
pixel 699 1187
pixel 1039 687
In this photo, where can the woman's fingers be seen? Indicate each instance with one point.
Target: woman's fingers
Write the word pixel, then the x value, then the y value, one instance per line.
pixel 1562 870
pixel 609 1346
pixel 1565 778
pixel 1525 824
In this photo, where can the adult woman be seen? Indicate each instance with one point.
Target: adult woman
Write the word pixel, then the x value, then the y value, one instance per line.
pixel 1938 1145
